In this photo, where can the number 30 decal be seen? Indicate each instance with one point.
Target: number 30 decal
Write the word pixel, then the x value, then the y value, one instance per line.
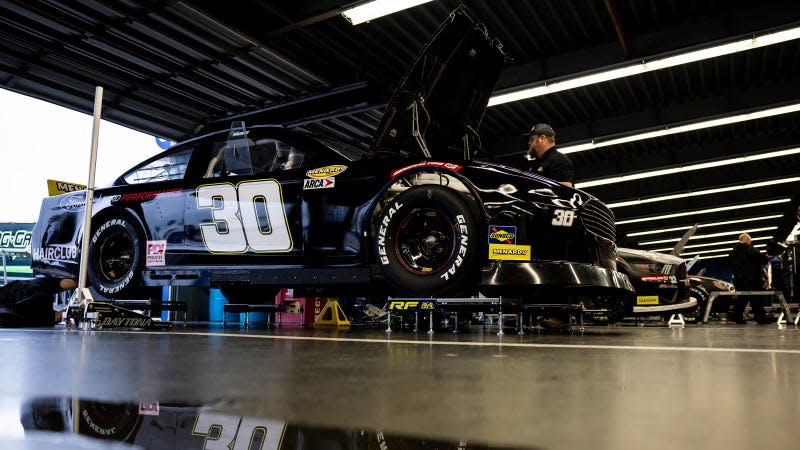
pixel 246 217
pixel 563 217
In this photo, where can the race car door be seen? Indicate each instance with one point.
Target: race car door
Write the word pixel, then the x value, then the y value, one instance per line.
pixel 241 211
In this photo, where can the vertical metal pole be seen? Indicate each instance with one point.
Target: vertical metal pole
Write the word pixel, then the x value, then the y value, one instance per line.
pixel 5 274
pixel 87 216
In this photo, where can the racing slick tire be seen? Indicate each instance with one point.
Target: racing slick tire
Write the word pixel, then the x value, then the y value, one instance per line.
pixel 116 257
pixel 426 242
pixel 695 315
pixel 109 421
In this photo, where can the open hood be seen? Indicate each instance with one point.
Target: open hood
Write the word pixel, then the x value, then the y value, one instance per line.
pixel 436 109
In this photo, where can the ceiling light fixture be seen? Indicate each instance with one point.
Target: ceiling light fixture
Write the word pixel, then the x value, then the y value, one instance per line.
pixel 702 211
pixel 378 8
pixel 657 63
pixel 716 250
pixel 705 236
pixel 699 166
pixel 710 244
pixel 704 225
pixel 642 201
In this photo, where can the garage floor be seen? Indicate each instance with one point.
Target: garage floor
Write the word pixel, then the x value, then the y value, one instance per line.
pixel 625 387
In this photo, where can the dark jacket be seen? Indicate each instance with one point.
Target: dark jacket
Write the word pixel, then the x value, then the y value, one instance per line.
pixel 746 263
pixel 28 302
pixel 555 165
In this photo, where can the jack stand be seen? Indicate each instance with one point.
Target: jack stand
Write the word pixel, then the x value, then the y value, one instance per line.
pixel 676 321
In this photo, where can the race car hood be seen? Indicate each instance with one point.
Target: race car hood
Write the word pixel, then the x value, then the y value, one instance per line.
pixel 653 256
pixel 436 109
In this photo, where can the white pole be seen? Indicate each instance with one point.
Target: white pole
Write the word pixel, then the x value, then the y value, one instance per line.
pixel 87 216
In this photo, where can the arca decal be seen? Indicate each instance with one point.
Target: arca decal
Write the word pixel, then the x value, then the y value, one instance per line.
pixel 248 217
pixel 441 165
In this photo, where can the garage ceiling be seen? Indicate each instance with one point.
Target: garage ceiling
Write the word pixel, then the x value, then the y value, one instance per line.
pixel 172 68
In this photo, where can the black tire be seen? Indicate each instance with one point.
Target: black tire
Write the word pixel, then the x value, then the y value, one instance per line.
pixel 249 295
pixel 109 421
pixel 116 257
pixel 426 243
pixel 695 315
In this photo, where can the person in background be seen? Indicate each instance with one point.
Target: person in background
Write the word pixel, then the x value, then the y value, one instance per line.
pixel 746 263
pixel 29 303
pixel 545 159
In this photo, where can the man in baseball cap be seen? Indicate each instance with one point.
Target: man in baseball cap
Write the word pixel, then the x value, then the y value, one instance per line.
pixel 545 159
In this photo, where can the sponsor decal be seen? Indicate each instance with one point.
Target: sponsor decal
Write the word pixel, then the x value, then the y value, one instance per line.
pixel 156 251
pixel 67 253
pixel 327 171
pixel 499 234
pixel 318 183
pixel 441 165
pixel 148 409
pixel 646 299
pixel 73 202
pixel 510 252
pixel 382 231
pixel 55 187
pixel 655 278
pixel 145 196
pixel 462 250
pixel 405 305
pixel 15 239
pixel 132 322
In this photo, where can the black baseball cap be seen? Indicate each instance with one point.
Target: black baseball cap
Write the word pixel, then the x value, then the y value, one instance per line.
pixel 543 129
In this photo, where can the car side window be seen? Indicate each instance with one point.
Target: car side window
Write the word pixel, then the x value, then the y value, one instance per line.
pixel 274 155
pixel 230 158
pixel 168 167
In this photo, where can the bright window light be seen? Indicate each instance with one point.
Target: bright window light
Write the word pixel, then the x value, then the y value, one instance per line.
pixel 706 236
pixel 642 201
pixel 378 8
pixel 711 244
pixel 691 167
pixel 702 211
pixel 704 225
pixel 656 63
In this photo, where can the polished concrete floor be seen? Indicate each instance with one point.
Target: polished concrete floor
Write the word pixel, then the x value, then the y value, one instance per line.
pixel 704 386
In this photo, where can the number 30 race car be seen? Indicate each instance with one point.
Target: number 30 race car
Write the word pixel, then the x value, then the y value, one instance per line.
pixel 253 207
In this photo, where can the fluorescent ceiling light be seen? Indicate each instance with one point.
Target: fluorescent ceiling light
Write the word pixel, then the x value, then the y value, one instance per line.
pixel 691 167
pixel 710 244
pixel 713 256
pixel 675 129
pixel 378 8
pixel 702 211
pixel 705 236
pixel 704 225
pixel 657 63
pixel 717 250
pixel 642 201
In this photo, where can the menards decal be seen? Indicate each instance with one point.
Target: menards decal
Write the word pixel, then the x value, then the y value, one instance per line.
pixel 327 171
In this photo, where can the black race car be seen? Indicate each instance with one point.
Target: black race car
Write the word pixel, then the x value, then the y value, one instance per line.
pixel 255 207
pixel 661 282
pixel 182 426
